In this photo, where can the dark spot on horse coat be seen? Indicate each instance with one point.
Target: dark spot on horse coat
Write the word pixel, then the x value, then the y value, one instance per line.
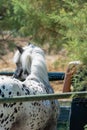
pixel 32 125
pixel 12 104
pixel 2 95
pixel 12 117
pixel 5 105
pixel 7 129
pixel 2 121
pixel 24 86
pixel 36 104
pixel 20 103
pixel 18 93
pixel 10 93
pixel 22 89
pixel 27 92
pixel 1 115
pixel 6 118
pixel 3 86
pixel 7 122
pixel 0 91
pixel 15 110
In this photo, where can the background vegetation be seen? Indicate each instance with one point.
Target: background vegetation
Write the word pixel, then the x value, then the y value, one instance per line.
pixel 54 24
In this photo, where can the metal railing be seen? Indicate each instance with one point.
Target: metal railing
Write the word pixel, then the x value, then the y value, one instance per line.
pixel 52 77
pixel 40 97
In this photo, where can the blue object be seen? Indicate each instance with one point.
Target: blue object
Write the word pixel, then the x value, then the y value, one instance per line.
pixel 53 76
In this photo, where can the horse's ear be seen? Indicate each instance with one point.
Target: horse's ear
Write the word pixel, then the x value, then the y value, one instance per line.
pixel 20 49
pixel 31 45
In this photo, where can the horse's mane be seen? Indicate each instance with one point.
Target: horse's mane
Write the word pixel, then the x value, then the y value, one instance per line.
pixel 16 56
pixel 38 65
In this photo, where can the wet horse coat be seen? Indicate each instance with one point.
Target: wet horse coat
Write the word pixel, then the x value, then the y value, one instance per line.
pixel 35 115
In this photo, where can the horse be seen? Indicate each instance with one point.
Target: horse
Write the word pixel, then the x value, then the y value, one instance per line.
pixel 34 115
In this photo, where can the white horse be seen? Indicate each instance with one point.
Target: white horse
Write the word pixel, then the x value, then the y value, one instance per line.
pixel 35 115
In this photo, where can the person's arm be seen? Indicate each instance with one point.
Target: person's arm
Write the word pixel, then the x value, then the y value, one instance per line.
pixel 68 76
pixel 67 83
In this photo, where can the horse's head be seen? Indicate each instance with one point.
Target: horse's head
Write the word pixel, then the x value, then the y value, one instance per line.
pixel 30 61
pixel 22 59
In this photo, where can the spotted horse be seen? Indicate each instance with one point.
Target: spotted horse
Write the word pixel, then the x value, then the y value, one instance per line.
pixel 34 115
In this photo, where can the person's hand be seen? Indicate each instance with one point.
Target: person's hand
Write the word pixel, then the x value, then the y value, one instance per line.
pixel 72 67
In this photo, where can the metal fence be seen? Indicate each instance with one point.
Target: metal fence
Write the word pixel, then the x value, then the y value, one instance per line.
pixel 40 97
pixel 52 77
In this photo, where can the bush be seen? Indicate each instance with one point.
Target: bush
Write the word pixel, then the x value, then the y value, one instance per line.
pixel 49 22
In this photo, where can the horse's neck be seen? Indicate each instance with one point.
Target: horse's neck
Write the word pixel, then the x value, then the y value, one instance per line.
pixel 39 69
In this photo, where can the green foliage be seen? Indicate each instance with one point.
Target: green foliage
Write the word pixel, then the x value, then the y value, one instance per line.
pixel 77 34
pixel 5 19
pixel 80 79
pixel 85 127
pixel 63 126
pixel 52 22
